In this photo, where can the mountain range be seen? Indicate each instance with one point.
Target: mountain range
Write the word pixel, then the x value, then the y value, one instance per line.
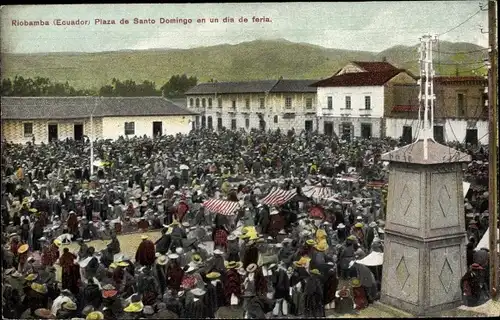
pixel 253 60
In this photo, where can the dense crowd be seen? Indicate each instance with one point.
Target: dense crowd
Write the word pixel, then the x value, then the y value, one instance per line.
pixel 252 225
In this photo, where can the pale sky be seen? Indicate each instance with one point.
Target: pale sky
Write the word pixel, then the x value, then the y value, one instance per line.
pixel 367 26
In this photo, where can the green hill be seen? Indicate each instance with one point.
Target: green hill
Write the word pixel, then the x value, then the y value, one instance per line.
pixel 254 60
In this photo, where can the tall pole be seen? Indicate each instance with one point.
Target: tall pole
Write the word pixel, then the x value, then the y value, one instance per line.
pixel 493 149
pixel 92 139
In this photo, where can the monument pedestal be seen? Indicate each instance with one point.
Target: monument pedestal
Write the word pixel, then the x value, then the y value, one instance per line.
pixel 425 239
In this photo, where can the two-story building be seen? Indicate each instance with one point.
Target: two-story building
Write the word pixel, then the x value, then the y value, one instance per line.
pixel 351 103
pixel 265 104
pixel 460 111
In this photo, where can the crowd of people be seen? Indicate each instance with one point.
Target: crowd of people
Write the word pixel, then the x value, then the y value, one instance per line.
pixel 255 225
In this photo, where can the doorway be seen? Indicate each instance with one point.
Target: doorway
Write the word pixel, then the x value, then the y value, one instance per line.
pixel 219 123
pixel 210 125
pixel 78 131
pixel 53 136
pixel 308 125
pixel 471 137
pixel 346 131
pixel 407 137
pixel 157 128
pixel 439 134
pixel 328 128
pixel 366 130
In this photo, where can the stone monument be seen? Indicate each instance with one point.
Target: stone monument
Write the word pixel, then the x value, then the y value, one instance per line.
pixel 425 239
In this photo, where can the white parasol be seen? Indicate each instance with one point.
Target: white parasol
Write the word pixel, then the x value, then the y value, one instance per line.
pixel 373 259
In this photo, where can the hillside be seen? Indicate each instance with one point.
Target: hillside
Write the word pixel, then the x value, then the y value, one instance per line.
pixel 254 60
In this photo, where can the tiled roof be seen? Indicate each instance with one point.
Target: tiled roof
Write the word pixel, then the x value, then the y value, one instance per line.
pixel 81 107
pixel 460 79
pixel 359 79
pixel 294 86
pixel 233 87
pixel 376 66
pixel 263 86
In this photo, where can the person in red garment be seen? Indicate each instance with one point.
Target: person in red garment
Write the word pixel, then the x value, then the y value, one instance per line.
pixel 359 295
pixel 145 253
pixel 182 209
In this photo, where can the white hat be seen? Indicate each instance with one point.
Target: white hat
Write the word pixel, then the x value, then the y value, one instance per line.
pixel 198 292
pixel 359 218
pixel 173 256
pixel 218 251
pixel 179 250
pixel 340 226
pixel 274 212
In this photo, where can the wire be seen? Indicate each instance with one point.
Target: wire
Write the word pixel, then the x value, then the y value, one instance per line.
pixel 460 52
pixel 460 24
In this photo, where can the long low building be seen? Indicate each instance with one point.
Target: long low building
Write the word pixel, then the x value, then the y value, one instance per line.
pixel 44 119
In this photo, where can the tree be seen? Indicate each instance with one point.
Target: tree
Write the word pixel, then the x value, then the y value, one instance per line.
pixel 178 85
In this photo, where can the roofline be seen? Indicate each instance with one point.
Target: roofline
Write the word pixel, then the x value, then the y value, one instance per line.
pixel 100 116
pixel 73 97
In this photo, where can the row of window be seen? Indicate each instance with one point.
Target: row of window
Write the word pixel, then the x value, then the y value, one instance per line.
pixel 262 103
pixel 348 103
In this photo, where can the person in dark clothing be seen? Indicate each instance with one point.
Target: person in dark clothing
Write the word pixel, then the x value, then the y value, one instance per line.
pixel 470 251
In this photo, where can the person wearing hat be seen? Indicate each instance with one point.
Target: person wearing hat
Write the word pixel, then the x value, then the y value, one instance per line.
pixel 35 297
pixel 472 286
pixel 147 286
pixel 181 210
pixel 145 254
pixel 135 306
pixel 64 296
pixel 220 233
pixel 276 223
pixel 344 303
pixel 111 301
pixel 251 253
pixel 313 295
pixel 346 256
pixel 11 294
pixel 22 257
pixel 281 288
pixel 196 308
pixel 366 278
pixel 70 272
pixel 232 285
pixel 215 292
pixel 297 286
pixel 233 248
pixel 68 310
pixel 174 273
pixel 359 295
pixel 160 272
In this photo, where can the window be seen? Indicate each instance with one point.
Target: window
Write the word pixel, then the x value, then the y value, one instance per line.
pixel 348 102
pixel 191 102
pixel 210 102
pixel 308 125
pixel 366 130
pixel 129 128
pixel 460 105
pixel 219 123
pixel 210 122
pixel 288 102
pixel 197 102
pixel 262 103
pixel 328 128
pixel 247 123
pixel 309 103
pixel 233 124
pixel 330 103
pixel 368 102
pixel 234 104
pixel 219 102
pixel 275 119
pixel 203 103
pixel 28 129
pixel 203 121
pixel 247 103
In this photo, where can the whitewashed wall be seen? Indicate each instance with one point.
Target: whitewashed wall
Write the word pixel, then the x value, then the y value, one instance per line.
pixel 114 127
pixel 454 130
pixel 357 95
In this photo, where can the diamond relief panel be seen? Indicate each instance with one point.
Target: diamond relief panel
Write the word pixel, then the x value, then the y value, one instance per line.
pixel 405 199
pixel 402 273
pixel 446 275
pixel 444 200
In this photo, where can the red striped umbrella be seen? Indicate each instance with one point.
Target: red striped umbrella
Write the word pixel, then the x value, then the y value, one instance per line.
pixel 223 207
pixel 278 196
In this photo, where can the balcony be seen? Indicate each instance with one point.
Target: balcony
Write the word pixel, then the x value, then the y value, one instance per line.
pixel 365 112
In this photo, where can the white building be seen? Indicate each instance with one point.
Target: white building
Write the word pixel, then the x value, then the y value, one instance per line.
pixel 352 102
pixel 263 105
pixel 44 119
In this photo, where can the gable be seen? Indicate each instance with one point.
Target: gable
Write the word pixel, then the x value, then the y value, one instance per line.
pixel 402 78
pixel 350 68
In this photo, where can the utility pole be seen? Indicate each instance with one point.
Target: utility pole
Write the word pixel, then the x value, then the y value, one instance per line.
pixel 493 149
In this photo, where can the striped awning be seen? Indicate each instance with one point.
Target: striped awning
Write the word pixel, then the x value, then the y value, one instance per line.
pixel 277 197
pixel 317 192
pixel 224 207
